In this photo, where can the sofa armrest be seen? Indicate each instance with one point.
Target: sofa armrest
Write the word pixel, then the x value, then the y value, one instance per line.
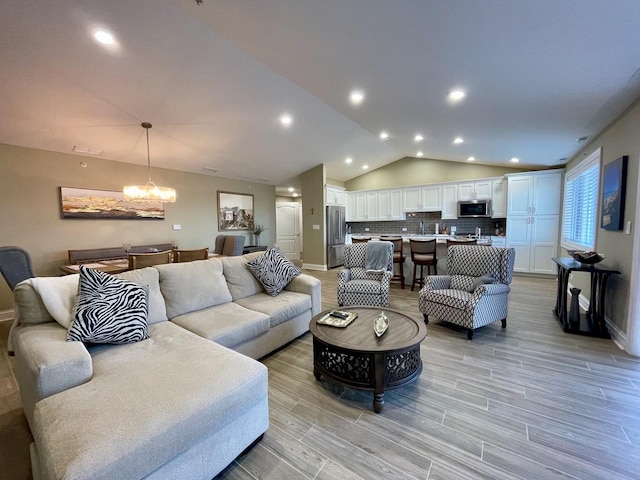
pixel 47 364
pixel 310 285
pixel 491 289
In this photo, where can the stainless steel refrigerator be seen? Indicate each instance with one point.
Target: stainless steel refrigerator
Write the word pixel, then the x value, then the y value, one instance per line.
pixel 336 230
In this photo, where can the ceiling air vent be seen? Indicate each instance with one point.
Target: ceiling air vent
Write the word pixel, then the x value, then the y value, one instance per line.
pixel 211 170
pixel 582 139
pixel 262 180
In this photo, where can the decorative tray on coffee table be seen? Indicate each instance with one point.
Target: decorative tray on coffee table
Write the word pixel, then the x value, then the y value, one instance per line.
pixel 338 318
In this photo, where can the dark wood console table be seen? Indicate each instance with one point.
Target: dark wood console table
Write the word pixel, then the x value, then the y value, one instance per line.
pixel 592 323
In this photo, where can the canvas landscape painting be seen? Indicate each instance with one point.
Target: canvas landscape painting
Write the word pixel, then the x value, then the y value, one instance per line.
pixel 106 204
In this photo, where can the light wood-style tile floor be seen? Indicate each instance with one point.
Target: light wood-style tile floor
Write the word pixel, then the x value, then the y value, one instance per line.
pixel 527 402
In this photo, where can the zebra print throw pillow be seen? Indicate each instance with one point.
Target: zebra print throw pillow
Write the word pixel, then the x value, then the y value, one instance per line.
pixel 273 270
pixel 109 310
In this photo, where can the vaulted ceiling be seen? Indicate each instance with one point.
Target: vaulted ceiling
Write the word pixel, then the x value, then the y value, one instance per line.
pixel 215 78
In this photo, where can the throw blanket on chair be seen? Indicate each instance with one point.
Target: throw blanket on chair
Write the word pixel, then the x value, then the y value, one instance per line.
pixel 376 257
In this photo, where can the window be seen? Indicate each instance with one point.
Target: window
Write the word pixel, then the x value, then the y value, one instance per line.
pixel 580 215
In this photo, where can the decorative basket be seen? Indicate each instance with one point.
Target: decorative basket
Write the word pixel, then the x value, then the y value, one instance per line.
pixel 587 258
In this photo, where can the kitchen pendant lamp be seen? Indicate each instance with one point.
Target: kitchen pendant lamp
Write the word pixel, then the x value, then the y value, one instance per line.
pixel 150 192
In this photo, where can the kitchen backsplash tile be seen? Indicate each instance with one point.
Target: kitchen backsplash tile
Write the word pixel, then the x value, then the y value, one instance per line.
pixel 412 224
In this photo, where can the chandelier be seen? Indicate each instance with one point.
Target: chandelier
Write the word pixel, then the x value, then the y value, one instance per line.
pixel 149 192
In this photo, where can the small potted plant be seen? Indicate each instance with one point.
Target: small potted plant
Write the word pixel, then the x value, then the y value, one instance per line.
pixel 258 228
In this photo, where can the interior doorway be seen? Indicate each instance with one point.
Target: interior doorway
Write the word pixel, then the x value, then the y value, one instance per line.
pixel 289 229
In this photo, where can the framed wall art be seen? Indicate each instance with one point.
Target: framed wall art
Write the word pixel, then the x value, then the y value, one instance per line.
pixel 235 211
pixel 614 190
pixel 106 204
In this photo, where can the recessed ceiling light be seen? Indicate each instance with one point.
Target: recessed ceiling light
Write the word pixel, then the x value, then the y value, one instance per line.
pixel 471 159
pixel 419 154
pixel 364 167
pixel 348 160
pixel 384 135
pixel 514 160
pixel 291 189
pixel 295 194
pixel 286 119
pixel 418 138
pixel 456 95
pixel 356 97
pixel 104 37
pixel 458 140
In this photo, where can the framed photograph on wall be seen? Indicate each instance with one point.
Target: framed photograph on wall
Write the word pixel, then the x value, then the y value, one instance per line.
pixel 614 190
pixel 235 211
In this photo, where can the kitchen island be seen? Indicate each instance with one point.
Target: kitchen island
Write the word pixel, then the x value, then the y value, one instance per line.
pixel 441 248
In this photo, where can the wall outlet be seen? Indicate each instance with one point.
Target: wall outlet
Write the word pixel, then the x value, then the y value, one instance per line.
pixel 404 229
pixel 316 227
pixel 366 229
pixel 177 227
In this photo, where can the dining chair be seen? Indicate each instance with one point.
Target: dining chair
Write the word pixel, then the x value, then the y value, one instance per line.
pixel 398 257
pixel 15 265
pixel 423 252
pixel 141 260
pixel 190 255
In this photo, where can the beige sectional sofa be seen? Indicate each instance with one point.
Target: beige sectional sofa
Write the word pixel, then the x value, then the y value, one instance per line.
pixel 181 404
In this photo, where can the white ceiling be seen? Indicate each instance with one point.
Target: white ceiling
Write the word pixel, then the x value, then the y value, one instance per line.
pixel 214 78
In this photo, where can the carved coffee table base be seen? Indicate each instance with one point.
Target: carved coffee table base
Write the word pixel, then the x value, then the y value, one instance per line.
pixel 372 371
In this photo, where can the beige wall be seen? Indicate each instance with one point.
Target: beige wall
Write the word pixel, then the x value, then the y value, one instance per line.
pixel 419 171
pixel 30 214
pixel 313 201
pixel 622 137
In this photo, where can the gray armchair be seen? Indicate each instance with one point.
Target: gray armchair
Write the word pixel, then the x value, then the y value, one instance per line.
pixel 357 286
pixel 476 290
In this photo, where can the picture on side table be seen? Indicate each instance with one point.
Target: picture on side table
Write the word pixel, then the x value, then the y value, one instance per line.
pixel 614 187
pixel 235 211
pixel 106 204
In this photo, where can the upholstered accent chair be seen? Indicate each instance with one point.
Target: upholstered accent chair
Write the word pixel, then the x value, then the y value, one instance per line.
pixel 229 245
pixel 475 291
pixel 356 286
pixel 15 265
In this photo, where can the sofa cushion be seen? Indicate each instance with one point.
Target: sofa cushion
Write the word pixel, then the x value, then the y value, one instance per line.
pixel 284 307
pixel 147 403
pixel 273 270
pixel 228 324
pixel 109 310
pixel 191 286
pixel 240 280
pixel 149 276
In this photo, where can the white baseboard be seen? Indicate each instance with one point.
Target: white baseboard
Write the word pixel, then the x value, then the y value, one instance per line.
pixel 6 315
pixel 312 266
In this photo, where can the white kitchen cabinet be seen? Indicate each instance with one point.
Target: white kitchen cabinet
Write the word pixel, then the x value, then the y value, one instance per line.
pixel 390 204
pixel 360 207
pixel 449 201
pixel 425 198
pixel 372 205
pixel 499 198
pixel 533 219
pixel 476 190
pixel 350 212
pixel 335 195
pixel 534 193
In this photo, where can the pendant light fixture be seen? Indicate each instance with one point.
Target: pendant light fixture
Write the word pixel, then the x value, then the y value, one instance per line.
pixel 150 192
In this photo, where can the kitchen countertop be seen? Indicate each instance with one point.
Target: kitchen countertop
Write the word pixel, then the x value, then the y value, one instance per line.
pixel 440 237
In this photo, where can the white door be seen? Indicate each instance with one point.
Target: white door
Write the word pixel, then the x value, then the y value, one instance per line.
pixel 288 216
pixel 544 243
pixel 519 238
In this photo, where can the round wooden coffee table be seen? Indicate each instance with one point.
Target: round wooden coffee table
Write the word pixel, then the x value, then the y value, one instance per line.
pixel 355 357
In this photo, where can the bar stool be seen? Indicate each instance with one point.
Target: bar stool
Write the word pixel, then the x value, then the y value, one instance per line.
pixel 423 252
pixel 360 240
pixel 398 257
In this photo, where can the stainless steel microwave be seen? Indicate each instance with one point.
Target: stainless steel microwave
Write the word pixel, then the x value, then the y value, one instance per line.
pixel 474 208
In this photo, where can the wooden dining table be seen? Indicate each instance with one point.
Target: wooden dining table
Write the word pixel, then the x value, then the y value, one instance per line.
pixel 118 265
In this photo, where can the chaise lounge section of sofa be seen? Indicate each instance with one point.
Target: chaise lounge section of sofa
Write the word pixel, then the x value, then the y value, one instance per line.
pixel 181 404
